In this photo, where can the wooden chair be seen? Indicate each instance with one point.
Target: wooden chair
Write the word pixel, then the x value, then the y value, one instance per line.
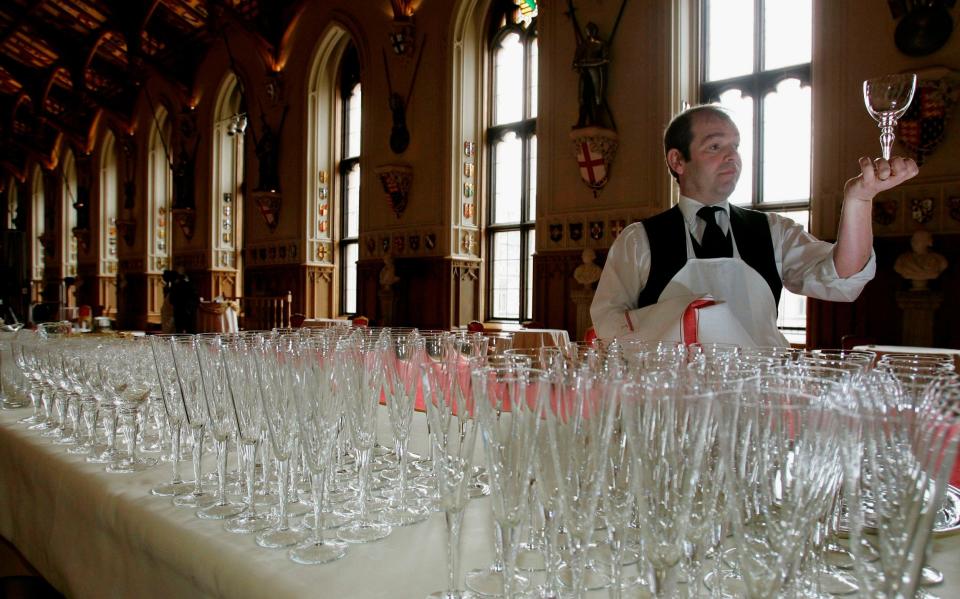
pixel 266 312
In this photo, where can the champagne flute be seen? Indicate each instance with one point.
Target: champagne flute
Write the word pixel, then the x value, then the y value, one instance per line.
pixel 887 99
pixel 453 432
pixel 318 415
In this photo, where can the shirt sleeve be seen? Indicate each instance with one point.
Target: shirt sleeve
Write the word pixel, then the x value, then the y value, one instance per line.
pixel 624 277
pixel 806 264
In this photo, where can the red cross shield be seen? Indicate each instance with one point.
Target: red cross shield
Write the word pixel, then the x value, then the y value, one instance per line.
pixel 592 167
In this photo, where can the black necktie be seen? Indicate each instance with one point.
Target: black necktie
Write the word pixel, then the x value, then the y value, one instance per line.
pixel 714 243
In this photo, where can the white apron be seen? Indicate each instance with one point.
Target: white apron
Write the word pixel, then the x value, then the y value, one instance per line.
pixel 742 310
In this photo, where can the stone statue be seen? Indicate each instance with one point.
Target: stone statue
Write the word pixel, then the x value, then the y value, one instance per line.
pixel 920 265
pixel 591 61
pixel 587 273
pixel 388 274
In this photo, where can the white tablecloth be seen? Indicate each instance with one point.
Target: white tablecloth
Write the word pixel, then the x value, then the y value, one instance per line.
pixel 93 534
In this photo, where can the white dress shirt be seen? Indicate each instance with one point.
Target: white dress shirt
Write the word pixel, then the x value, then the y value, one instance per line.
pixel 804 262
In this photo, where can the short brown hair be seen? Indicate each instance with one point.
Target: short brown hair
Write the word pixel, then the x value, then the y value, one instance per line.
pixel 679 133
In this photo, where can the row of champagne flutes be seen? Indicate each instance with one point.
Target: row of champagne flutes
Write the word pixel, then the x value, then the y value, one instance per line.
pixel 749 458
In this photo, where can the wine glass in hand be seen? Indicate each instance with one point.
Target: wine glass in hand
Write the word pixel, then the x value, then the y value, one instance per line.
pixel 887 99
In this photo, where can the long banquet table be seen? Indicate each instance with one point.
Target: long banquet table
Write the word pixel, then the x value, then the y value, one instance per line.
pixel 94 534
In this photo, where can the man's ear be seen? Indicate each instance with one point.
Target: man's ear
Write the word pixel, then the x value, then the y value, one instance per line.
pixel 675 161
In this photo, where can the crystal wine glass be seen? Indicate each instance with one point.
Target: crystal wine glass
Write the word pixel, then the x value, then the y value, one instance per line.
pixel 240 365
pixel 318 415
pixel 886 99
pixel 509 405
pixel 220 420
pixel 359 382
pixel 453 432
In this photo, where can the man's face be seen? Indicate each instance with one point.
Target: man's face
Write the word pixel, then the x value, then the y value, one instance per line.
pixel 712 172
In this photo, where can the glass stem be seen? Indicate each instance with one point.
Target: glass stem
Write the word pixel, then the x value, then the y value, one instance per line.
pixel 131 433
pixel 197 454
pixel 616 551
pixel 88 414
pixel 364 456
pixel 250 464
pixel 74 411
pixel 454 520
pixel 112 428
pixel 316 483
pixel 282 488
pixel 36 397
pixel 221 446
pixel 175 456
pixel 506 557
pixel 551 533
pixel 402 461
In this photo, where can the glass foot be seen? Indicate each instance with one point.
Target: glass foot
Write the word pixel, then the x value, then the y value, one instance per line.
pixel 220 511
pixel 172 488
pixel 281 537
pixel 246 523
pixel 126 466
pixel 196 500
pixel 363 532
pixel 311 553
pixel 331 520
pixel 404 516
pixel 489 582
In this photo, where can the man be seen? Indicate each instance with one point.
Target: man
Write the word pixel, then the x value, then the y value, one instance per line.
pixel 655 255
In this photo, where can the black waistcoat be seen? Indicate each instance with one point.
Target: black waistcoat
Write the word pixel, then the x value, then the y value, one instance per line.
pixel 668 249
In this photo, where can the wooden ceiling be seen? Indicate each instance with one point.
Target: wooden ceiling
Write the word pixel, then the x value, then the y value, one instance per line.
pixel 64 63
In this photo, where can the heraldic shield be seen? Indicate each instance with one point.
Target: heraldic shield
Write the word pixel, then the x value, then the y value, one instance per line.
pixel 397 179
pixel 923 126
pixel 594 149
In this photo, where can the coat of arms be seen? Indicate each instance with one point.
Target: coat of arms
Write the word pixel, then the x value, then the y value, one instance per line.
pixel 594 149
pixel 576 231
pixel 921 209
pixel 556 232
pixel 923 126
pixel 396 179
pixel 596 230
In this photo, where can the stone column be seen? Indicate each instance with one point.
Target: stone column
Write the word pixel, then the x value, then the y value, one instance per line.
pixel 582 297
pixel 919 308
pixel 386 305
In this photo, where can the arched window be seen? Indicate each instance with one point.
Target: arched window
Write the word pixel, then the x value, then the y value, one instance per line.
pixel 229 125
pixel 348 172
pixel 512 155
pixel 159 194
pixel 327 122
pixel 109 206
pixel 68 199
pixel 38 227
pixel 756 57
pixel 12 203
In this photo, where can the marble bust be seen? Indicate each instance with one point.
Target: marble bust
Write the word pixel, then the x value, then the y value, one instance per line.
pixel 388 274
pixel 587 273
pixel 920 265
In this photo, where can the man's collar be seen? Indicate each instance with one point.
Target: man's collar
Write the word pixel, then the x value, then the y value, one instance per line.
pixel 689 207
